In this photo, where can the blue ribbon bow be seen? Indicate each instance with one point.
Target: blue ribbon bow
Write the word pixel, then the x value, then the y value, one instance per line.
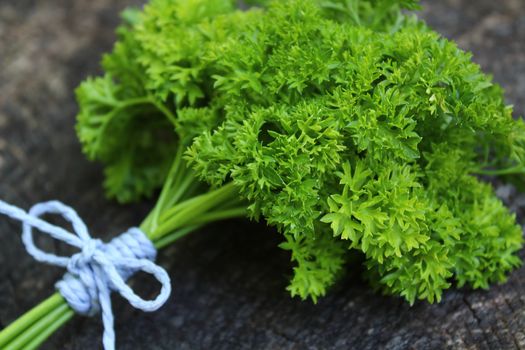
pixel 98 269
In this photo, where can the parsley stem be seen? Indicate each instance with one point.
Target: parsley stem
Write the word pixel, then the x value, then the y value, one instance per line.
pixel 171 117
pixel 148 100
pixel 40 327
pixel 49 330
pixel 185 212
pixel 173 176
pixel 120 105
pixel 172 237
pixel 520 169
pixel 24 322
pixel 210 199
pixel 219 215
pixel 166 240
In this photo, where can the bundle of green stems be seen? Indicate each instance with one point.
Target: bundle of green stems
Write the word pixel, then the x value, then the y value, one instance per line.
pixel 184 205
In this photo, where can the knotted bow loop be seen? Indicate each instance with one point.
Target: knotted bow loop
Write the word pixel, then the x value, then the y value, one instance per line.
pixel 32 219
pixel 118 280
pixel 98 268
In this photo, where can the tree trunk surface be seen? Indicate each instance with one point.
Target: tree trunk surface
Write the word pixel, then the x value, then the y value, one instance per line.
pixel 229 279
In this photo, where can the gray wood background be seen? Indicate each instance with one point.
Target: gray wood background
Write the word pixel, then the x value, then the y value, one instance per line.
pixel 229 279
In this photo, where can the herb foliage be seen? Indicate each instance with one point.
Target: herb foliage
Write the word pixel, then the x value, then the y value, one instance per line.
pixel 349 125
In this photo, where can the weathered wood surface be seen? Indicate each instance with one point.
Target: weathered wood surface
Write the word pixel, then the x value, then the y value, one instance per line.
pixel 228 279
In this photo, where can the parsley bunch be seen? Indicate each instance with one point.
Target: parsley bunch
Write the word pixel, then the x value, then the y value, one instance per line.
pixel 349 125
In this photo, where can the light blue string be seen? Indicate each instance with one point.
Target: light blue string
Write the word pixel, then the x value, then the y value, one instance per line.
pixel 98 269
